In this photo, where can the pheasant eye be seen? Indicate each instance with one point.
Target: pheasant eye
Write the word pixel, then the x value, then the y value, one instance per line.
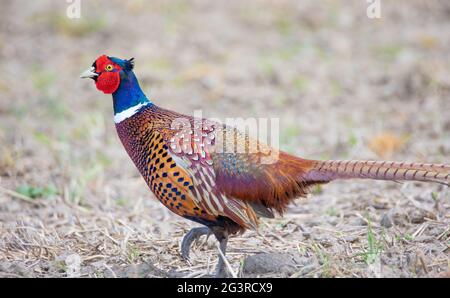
pixel 109 67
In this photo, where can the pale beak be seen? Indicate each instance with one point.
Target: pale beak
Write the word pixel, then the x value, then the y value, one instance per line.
pixel 89 73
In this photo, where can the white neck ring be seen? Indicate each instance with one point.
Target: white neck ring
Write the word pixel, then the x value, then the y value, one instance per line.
pixel 119 117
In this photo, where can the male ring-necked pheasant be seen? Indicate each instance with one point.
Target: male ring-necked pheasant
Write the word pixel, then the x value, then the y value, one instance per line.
pixel 184 163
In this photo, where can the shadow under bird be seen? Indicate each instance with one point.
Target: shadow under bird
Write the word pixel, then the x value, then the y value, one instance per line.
pixel 227 191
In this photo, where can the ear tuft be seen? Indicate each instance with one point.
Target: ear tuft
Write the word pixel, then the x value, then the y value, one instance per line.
pixel 131 63
pixel 124 63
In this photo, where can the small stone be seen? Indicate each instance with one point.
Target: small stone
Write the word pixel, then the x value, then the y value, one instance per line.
pixel 272 263
pixel 351 238
pixel 386 220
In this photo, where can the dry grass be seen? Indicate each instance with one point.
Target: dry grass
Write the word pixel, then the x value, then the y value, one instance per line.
pixel 71 203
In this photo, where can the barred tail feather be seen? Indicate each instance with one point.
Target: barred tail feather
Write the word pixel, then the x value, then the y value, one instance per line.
pixel 323 171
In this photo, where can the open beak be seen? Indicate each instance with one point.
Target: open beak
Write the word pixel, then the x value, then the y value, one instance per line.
pixel 89 73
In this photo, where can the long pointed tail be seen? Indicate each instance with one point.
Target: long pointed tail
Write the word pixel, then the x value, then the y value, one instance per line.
pixel 323 171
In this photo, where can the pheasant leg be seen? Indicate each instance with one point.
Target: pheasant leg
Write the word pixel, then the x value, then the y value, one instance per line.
pixel 193 235
pixel 221 269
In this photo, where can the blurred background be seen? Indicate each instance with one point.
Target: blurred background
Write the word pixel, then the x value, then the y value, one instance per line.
pixel 343 85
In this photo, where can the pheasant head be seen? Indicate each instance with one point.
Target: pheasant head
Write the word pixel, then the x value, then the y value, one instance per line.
pixel 115 76
pixel 107 72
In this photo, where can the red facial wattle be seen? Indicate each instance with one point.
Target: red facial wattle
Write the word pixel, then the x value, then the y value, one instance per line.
pixel 108 80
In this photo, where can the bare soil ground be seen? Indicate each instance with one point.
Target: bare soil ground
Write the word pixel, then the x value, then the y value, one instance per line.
pixel 343 86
